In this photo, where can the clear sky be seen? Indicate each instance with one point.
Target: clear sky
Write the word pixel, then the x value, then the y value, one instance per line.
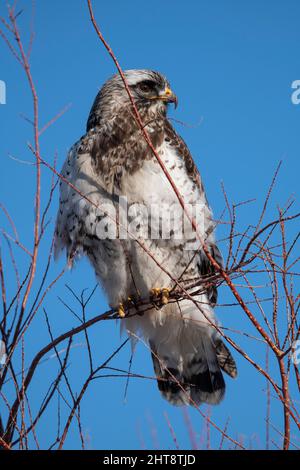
pixel 232 64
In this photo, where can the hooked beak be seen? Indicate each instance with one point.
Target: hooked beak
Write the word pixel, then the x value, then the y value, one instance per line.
pixel 168 96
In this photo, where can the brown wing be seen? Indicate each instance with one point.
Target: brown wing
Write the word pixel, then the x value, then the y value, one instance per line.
pixel 225 359
pixel 178 143
pixel 206 269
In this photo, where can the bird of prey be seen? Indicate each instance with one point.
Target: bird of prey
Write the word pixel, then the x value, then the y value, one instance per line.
pixel 119 209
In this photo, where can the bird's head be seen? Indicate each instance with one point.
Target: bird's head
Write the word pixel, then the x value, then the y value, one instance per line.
pixel 149 88
pixel 150 91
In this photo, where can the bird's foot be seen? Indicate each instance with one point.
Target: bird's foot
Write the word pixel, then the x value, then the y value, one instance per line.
pixel 121 310
pixel 160 296
pixel 124 307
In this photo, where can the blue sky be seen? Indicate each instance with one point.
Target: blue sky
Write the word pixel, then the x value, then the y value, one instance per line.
pixel 232 65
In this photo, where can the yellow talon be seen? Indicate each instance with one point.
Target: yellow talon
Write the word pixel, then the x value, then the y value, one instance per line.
pixel 165 294
pixel 121 311
pixel 161 294
pixel 155 292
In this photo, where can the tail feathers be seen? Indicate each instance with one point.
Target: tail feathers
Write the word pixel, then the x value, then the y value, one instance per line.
pixel 198 380
pixel 207 387
pixel 170 382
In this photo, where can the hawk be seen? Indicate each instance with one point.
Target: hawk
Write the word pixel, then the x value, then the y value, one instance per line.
pixel 126 218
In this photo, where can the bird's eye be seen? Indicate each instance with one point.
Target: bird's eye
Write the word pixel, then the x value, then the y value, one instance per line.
pixel 146 86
